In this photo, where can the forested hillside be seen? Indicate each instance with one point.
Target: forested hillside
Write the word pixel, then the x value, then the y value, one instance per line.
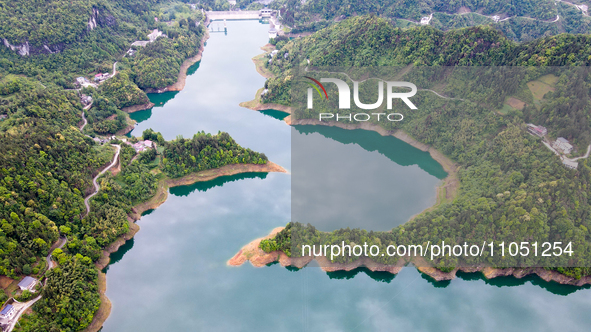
pixel 47 164
pixel 521 20
pixel 511 186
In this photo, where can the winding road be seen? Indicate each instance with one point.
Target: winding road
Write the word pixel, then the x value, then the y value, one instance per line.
pixel 96 186
pixel 87 107
pixel 62 241
pixel 582 157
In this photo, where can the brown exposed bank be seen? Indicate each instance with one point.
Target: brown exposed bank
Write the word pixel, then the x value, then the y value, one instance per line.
pixel 258 258
pixel 160 197
pixel 182 78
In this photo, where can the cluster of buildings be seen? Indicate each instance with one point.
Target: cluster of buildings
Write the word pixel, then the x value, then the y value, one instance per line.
pixel 142 145
pixel 151 38
pixel 83 82
pixel 28 283
pixel 99 78
pixel 561 147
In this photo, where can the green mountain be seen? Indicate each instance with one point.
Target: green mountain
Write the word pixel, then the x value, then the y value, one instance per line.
pixel 521 20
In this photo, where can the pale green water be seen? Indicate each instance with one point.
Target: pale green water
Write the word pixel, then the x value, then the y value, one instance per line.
pixel 173 276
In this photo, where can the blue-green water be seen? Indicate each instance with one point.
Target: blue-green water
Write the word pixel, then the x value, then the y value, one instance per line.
pixel 173 275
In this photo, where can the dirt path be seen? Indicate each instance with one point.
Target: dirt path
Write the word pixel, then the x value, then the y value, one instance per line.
pixel 96 186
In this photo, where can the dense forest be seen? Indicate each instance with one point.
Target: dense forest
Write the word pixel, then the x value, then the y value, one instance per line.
pixel 47 163
pixel 521 20
pixel 204 151
pixel 511 187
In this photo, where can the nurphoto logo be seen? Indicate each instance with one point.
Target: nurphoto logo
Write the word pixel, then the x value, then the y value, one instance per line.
pixel 344 92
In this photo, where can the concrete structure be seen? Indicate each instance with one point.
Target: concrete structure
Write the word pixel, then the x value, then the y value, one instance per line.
pixel 141 43
pixel 101 77
pixel 537 130
pixel 272 33
pixel 151 38
pixel 154 35
pixel 141 145
pixel 28 283
pixel 240 14
pixel 426 19
pixel 85 100
pixel 7 312
pixel 569 163
pixel 233 15
pixel 266 12
pixel 562 144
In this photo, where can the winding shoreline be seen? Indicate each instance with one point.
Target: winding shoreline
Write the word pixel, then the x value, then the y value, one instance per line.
pixel 158 199
pixel 258 258
pixel 138 107
pixel 182 77
pixel 451 184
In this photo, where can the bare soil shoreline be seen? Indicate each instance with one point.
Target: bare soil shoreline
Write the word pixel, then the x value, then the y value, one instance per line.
pixel 258 258
pixel 160 197
pixel 446 192
pixel 137 108
pixel 182 78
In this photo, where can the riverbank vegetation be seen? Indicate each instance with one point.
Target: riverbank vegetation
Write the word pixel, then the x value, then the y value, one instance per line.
pixel 47 164
pixel 513 189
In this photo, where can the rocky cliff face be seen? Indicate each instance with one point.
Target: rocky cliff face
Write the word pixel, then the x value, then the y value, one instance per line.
pixel 92 22
pixel 97 19
pixel 23 49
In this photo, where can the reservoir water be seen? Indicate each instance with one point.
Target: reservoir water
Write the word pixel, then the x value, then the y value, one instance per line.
pixel 173 275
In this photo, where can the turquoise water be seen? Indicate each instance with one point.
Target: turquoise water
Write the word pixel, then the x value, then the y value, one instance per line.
pixel 173 275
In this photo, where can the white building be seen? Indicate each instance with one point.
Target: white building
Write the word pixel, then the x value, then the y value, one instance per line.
pixel 569 163
pixel 265 12
pixel 272 33
pixel 154 35
pixel 28 283
pixel 7 312
pixel 563 145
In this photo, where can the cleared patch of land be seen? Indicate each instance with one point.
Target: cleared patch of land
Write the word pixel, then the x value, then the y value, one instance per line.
pixel 515 103
pixel 542 86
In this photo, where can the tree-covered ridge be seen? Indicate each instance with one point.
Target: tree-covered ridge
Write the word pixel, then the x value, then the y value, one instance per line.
pixel 41 22
pixel 158 64
pixel 122 91
pixel 93 51
pixel 70 298
pixel 205 151
pixel 45 173
pixel 511 187
pixel 521 15
pixel 368 41
pixel 22 99
pixel 104 117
